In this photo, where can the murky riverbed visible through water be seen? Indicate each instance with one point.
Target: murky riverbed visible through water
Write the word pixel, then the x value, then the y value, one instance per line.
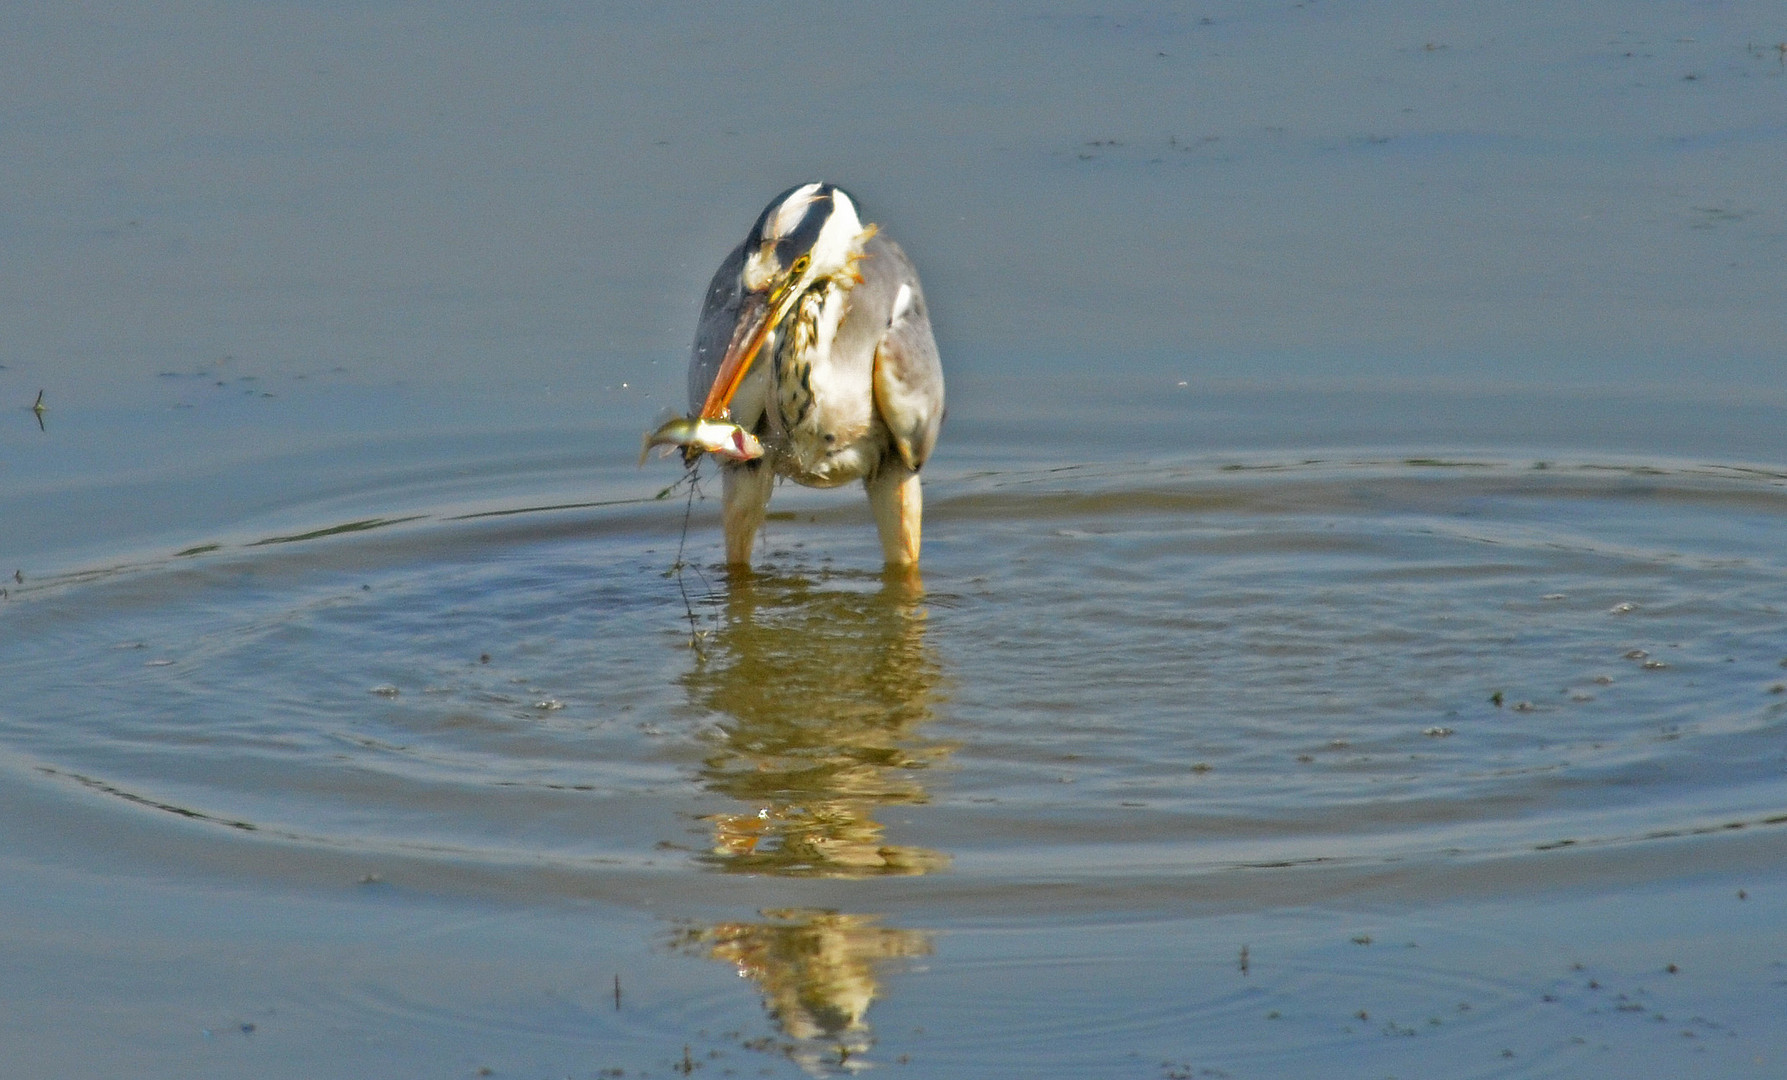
pixel 1351 634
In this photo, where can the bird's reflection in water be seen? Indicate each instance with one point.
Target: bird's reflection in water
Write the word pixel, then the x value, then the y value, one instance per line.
pixel 823 688
pixel 818 972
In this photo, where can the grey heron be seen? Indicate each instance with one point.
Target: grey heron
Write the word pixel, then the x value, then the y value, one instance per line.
pixel 815 338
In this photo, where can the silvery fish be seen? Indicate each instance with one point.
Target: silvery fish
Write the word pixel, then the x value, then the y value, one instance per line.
pixel 721 438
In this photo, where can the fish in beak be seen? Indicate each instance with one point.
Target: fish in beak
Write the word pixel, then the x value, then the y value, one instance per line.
pixel 696 437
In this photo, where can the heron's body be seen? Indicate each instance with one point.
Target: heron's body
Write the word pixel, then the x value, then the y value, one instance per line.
pixel 816 339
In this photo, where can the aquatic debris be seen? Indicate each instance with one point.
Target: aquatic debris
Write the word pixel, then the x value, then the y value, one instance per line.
pixel 696 436
pixel 1624 607
pixel 1437 732
pixel 385 690
pixel 336 530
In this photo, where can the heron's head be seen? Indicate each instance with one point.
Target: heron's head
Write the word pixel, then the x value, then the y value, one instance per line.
pixel 806 235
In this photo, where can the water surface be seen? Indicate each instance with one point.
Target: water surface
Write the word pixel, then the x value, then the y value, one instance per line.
pixel 1128 703
pixel 1351 634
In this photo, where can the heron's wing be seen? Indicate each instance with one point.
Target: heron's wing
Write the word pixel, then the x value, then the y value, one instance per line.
pixel 719 315
pixel 908 371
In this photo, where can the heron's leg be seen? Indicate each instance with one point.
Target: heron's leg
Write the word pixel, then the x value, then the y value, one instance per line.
pixel 899 511
pixel 744 498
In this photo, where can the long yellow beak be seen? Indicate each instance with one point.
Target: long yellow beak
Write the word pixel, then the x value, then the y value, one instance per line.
pixel 760 314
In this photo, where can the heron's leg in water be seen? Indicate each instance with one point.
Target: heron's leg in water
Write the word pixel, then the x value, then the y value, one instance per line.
pixel 899 511
pixel 744 498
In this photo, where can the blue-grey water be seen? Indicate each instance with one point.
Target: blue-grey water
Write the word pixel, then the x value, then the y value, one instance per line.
pixel 1352 638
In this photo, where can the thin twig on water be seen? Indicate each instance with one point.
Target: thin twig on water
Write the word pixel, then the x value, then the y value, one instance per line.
pixel 693 479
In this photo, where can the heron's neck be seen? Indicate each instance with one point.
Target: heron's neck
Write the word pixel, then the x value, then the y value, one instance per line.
pixel 809 327
pixel 801 333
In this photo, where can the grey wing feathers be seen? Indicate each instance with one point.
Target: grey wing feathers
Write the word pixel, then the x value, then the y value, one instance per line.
pixel 719 314
pixel 908 371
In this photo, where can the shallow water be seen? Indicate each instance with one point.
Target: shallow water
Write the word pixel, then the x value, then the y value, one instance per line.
pixel 1176 668
pixel 1351 634
pixel 1135 717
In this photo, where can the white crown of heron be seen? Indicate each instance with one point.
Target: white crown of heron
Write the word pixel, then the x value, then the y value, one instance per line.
pixel 840 237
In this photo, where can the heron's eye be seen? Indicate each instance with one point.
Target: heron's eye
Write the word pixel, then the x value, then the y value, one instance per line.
pixel 800 265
